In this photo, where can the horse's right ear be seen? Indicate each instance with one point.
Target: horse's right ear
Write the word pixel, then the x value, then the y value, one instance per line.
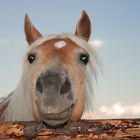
pixel 31 32
pixel 83 27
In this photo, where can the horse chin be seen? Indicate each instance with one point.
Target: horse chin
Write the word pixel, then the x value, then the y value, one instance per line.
pixel 56 120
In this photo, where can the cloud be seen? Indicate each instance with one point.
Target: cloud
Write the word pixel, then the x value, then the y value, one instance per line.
pixel 4 41
pixel 118 110
pixel 97 42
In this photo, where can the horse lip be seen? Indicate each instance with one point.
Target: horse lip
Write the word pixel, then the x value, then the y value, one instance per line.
pixel 56 120
pixel 59 116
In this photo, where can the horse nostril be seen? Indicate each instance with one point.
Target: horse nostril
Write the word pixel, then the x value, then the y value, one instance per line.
pixel 39 86
pixel 66 87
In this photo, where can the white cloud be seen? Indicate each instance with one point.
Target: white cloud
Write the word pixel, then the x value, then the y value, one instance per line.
pixel 118 110
pixel 97 42
pixel 4 41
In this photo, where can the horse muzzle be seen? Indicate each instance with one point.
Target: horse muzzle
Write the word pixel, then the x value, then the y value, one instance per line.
pixel 54 98
pixel 56 120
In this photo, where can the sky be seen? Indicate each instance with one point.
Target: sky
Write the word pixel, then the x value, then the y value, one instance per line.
pixel 115 34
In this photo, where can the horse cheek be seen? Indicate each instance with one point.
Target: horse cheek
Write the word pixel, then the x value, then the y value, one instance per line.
pixel 78 108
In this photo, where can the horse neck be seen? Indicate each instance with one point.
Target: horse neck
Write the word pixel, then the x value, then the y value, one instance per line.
pixel 20 102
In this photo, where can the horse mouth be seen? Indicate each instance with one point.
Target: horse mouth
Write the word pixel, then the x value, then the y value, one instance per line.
pixel 56 120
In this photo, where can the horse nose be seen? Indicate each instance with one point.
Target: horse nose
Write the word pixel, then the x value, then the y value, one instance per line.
pixel 47 79
pixel 54 92
pixel 51 78
pixel 56 81
pixel 66 86
pixel 39 85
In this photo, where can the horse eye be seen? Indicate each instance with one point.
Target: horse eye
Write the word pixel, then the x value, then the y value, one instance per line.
pixel 84 58
pixel 31 58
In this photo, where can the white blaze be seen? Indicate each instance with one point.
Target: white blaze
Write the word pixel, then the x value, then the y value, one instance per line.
pixel 60 44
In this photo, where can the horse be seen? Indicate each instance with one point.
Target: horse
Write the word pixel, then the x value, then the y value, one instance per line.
pixel 56 85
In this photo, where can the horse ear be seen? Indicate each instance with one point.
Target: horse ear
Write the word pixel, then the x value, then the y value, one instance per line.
pixel 31 32
pixel 83 27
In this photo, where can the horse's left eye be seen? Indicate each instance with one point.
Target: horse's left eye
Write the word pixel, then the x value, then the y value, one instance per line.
pixel 31 58
pixel 84 58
